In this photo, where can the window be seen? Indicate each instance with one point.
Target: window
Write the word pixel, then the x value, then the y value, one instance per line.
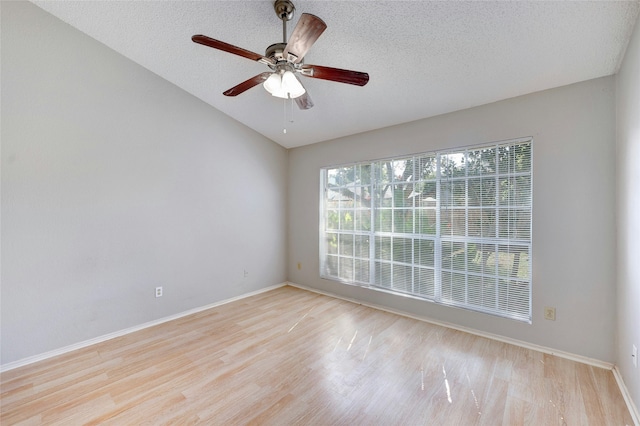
pixel 453 226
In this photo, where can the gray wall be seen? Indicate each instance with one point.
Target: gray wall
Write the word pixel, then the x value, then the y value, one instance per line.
pixel 114 182
pixel 573 215
pixel 628 202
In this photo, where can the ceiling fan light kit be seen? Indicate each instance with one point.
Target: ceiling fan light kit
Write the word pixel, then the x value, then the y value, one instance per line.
pixel 287 58
pixel 284 86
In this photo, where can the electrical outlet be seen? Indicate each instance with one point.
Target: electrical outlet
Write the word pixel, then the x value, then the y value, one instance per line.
pixel 158 291
pixel 299 265
pixel 246 273
pixel 549 313
pixel 634 355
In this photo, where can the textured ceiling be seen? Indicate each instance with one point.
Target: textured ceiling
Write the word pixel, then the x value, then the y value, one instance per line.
pixel 424 58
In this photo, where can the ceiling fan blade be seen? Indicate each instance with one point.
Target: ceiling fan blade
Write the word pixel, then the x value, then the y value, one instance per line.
pixel 304 101
pixel 306 32
pixel 335 74
pixel 226 47
pixel 248 84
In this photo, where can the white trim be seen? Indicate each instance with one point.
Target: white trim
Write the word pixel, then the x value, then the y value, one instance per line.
pixel 567 355
pixel 105 337
pixel 633 410
pixel 635 414
pixel 520 310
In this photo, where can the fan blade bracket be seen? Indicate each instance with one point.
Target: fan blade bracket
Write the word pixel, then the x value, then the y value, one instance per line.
pixel 306 71
pixel 267 61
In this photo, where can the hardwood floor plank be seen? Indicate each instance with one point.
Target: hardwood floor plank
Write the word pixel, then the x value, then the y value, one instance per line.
pixel 289 356
pixel 493 404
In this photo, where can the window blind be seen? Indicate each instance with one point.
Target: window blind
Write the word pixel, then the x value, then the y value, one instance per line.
pixel 450 226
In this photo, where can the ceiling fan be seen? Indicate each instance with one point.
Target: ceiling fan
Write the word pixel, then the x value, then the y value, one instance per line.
pixel 287 58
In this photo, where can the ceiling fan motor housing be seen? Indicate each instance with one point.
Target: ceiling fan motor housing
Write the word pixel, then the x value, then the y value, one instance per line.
pixel 276 52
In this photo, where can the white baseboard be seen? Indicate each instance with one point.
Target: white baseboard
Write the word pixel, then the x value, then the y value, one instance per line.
pixel 633 410
pixel 515 342
pixel 99 339
pixel 579 358
pixel 635 414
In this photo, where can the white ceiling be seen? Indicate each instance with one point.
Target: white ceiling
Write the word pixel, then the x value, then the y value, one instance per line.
pixel 424 58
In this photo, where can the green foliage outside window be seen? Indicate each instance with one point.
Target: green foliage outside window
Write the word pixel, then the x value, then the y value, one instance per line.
pixel 453 227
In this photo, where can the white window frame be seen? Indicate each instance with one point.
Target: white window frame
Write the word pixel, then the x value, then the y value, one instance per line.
pixel 355 263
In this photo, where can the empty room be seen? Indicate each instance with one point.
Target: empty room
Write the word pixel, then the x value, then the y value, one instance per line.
pixel 320 212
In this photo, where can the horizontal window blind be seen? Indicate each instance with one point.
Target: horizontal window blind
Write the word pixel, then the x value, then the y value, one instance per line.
pixel 452 226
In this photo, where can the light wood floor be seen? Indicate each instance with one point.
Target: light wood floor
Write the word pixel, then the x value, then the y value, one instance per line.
pixel 290 356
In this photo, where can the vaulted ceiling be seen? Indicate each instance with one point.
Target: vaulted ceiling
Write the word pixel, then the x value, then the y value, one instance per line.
pixel 424 58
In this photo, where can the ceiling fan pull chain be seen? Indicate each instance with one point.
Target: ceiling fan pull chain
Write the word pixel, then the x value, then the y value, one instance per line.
pixel 290 110
pixel 287 111
pixel 284 116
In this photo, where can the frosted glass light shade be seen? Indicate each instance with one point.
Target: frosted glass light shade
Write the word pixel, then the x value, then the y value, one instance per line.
pixel 291 84
pixel 284 86
pixel 273 83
